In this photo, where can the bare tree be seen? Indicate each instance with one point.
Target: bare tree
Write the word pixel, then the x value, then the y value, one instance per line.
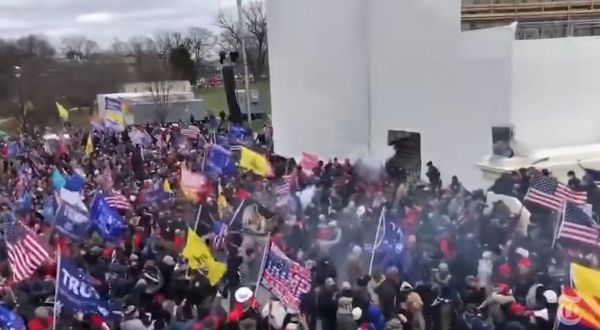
pixel 255 36
pixel 120 47
pixel 155 73
pixel 73 43
pixel 89 47
pixel 164 43
pixel 142 46
pixel 199 41
pixel 35 46
pixel 177 39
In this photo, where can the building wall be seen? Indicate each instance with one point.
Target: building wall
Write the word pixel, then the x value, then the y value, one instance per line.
pixel 362 68
pixel 318 74
pixel 555 89
pixel 430 78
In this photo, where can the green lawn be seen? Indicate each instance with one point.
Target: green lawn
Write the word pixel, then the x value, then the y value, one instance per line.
pixel 214 98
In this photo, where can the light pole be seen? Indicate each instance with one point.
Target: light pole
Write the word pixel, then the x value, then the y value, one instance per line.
pixel 244 59
pixel 20 91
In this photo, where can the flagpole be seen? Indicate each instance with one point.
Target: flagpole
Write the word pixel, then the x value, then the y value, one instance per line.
pixel 198 218
pixel 381 216
pixel 261 269
pixel 236 213
pixel 56 285
pixel 559 226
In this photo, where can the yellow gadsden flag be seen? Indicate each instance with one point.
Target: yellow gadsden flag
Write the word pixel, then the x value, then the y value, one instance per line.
pixel 255 162
pixel 167 186
pixel 62 112
pixel 198 255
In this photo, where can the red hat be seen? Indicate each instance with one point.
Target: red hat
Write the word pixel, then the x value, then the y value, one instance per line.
pixel 524 262
pixel 96 321
pixel 504 269
pixel 517 309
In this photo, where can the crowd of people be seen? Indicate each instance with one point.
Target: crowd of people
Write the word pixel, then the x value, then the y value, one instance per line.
pixel 382 253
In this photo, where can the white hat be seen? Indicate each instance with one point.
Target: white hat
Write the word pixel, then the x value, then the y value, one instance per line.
pixel 346 286
pixel 360 211
pixel 551 297
pixel 243 294
pixel 356 313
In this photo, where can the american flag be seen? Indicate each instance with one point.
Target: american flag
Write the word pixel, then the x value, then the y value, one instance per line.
pixel 549 193
pixel 25 253
pixel 578 226
pixel 285 278
pixel 191 132
pixel 289 183
pixel 219 240
pixel 117 201
pixel 594 175
pixel 571 195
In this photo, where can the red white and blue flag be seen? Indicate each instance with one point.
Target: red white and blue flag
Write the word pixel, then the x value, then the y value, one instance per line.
pixel 285 278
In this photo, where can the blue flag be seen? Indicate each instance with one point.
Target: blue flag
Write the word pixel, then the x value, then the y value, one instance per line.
pixel 392 244
pixel 48 208
pixel 12 149
pixel 76 293
pixel 23 204
pixel 9 320
pixel 74 182
pixel 154 194
pixel 219 162
pixel 72 221
pixel 112 104
pixel 107 222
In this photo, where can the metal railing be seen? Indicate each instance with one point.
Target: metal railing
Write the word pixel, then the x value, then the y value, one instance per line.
pixel 558 29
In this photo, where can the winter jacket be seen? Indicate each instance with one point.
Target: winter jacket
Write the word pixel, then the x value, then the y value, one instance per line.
pixel 135 324
pixel 344 319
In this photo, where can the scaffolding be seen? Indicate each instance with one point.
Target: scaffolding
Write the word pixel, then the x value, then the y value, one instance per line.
pixel 507 11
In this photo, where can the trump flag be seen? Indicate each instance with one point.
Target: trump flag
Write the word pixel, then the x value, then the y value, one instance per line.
pixel 75 293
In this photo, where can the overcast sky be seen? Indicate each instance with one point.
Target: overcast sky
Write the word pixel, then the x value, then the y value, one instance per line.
pixel 103 20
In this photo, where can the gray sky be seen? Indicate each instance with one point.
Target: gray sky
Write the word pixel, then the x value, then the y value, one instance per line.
pixel 103 20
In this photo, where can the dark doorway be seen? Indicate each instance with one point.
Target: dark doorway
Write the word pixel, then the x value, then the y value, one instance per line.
pixel 406 162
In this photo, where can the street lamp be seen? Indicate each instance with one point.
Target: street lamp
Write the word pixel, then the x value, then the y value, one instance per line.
pixel 20 90
pixel 245 59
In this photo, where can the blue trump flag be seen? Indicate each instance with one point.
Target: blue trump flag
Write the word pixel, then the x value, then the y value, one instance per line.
pixel 9 320
pixel 75 293
pixel 218 162
pixel 72 221
pixel 107 222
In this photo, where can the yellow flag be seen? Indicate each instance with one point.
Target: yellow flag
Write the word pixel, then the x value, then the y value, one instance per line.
pixel 585 280
pixel 199 256
pixel 221 201
pixel 254 162
pixel 167 186
pixel 89 146
pixel 62 112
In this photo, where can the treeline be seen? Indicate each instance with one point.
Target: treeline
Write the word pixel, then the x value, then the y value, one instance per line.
pixel 77 68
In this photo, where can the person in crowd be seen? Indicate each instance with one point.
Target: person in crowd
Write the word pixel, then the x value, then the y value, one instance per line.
pixel 361 247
